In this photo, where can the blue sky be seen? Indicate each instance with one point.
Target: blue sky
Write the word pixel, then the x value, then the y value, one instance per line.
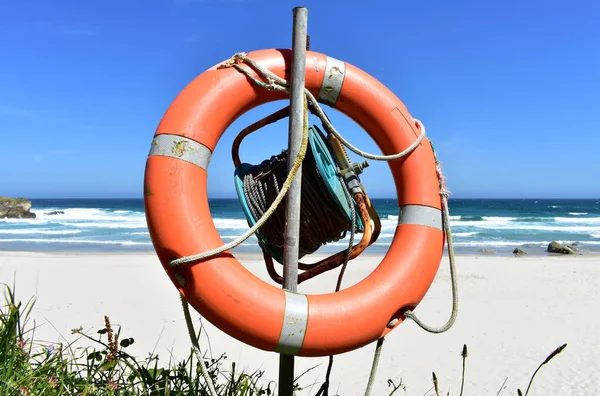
pixel 508 90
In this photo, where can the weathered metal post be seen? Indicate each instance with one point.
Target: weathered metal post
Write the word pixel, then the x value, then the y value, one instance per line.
pixel 292 225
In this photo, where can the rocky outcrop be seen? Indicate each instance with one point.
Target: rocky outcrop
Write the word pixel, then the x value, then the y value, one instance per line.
pixel 55 212
pixel 15 208
pixel 519 251
pixel 555 247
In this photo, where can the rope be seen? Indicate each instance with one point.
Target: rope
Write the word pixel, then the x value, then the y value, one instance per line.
pixel 276 83
pixel 196 345
pixel 322 220
pixel 286 185
pixel 374 366
pixel 444 192
pixel 324 390
pixel 351 241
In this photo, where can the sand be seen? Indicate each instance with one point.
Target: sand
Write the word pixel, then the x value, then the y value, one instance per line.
pixel 513 313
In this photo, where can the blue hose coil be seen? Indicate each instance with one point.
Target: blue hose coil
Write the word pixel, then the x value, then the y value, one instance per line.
pixel 327 168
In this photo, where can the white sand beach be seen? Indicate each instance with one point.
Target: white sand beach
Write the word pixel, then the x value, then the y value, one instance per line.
pixel 513 312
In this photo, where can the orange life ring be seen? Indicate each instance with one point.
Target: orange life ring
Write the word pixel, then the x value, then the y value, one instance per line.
pixel 226 293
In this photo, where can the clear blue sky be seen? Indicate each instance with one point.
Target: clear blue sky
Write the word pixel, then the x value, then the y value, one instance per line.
pixel 509 91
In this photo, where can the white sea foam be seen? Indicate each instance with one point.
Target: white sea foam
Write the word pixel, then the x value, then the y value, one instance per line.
pixel 388 225
pixel 86 218
pixel 520 243
pixel 501 243
pixel 475 244
pixel 140 224
pixel 499 219
pixel 590 220
pixel 236 236
pixel 464 234
pixel 28 231
pixel 491 244
pixel 480 224
pixel 395 218
pixel 231 224
pixel 24 221
pixel 485 220
pixel 84 241
pixel 124 225
pixel 88 214
pixel 573 229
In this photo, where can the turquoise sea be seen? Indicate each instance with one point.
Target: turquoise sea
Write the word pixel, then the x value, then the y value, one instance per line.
pixel 106 225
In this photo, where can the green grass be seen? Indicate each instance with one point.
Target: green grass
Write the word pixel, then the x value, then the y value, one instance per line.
pixel 30 367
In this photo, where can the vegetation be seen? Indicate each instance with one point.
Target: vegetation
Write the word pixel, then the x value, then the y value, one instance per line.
pixel 29 367
pixel 13 201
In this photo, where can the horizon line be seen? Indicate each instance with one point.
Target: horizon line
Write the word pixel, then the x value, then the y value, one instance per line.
pixel 235 198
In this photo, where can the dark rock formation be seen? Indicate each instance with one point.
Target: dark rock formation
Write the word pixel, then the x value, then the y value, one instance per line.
pixel 15 208
pixel 555 247
pixel 519 251
pixel 55 212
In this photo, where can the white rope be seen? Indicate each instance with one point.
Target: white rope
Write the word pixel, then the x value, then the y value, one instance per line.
pixel 444 192
pixel 286 185
pixel 196 346
pixel 276 83
pixel 374 366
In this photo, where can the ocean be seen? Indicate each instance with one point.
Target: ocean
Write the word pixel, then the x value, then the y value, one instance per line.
pixel 491 226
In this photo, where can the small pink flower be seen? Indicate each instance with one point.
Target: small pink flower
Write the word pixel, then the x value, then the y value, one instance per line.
pixel 112 385
pixel 23 391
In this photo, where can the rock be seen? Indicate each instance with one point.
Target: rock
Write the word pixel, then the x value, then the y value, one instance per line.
pixel 519 251
pixel 555 247
pixel 490 251
pixel 15 208
pixel 55 212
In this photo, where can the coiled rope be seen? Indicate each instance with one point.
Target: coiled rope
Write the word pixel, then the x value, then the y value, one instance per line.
pixel 276 83
pixel 286 186
pixel 322 220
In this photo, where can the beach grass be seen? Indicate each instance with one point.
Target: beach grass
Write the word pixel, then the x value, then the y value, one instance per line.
pixel 103 367
pixel 32 367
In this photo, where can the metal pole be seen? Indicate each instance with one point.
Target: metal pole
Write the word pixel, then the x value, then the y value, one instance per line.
pixel 292 215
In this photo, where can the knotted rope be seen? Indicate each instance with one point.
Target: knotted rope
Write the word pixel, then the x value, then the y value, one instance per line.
pixel 276 83
pixel 444 192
